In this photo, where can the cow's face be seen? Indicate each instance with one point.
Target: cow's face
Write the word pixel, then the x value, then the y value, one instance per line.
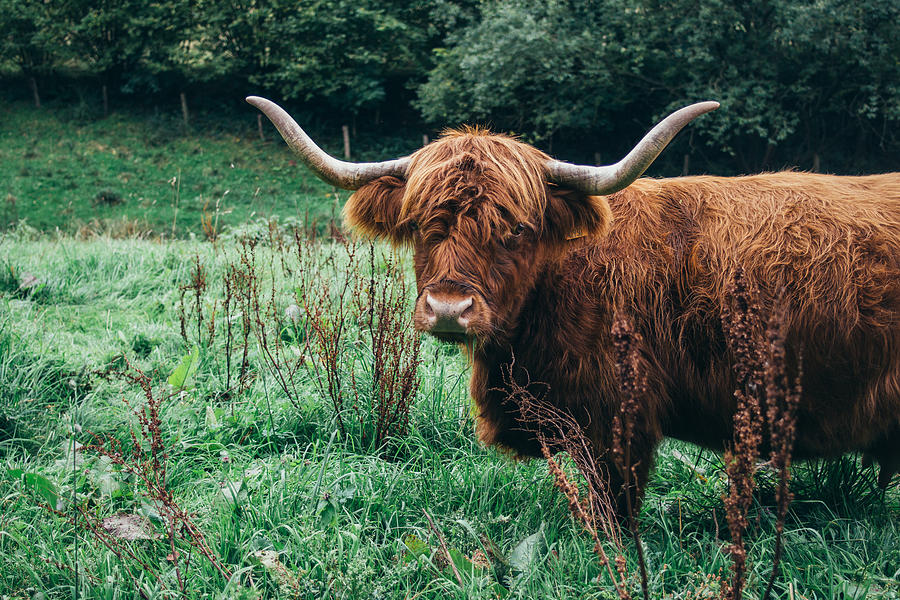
pixel 482 220
pixel 478 211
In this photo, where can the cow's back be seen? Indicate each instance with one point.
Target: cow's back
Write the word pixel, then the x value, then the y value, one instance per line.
pixel 829 246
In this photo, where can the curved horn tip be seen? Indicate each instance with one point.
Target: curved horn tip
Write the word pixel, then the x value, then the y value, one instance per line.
pixel 256 100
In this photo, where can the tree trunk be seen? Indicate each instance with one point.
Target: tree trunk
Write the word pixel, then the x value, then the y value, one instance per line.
pixel 861 146
pixel 32 83
pixel 686 165
pixel 346 132
pixel 105 101
pixel 259 127
pixel 816 162
pixel 770 148
pixel 184 110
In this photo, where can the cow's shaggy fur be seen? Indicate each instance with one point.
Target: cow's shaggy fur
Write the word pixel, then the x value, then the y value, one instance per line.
pixel 552 266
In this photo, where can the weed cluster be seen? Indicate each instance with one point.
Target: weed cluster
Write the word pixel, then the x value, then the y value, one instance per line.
pixel 337 322
pixel 767 399
pixel 147 461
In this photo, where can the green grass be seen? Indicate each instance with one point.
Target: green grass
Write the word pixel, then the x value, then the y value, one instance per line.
pixel 99 299
pixel 335 510
pixel 122 173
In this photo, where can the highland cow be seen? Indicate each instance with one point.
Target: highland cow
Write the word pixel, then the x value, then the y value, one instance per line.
pixel 526 260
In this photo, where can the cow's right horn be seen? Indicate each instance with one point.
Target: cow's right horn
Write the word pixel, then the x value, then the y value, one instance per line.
pixel 346 175
pixel 600 181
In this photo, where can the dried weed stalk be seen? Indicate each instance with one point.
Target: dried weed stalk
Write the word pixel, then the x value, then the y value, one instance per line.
pixel 147 461
pixel 761 371
pixel 782 400
pixel 395 346
pixel 243 285
pixel 741 324
pixel 328 308
pixel 632 381
pixel 210 222
pixel 195 289
pixel 282 358
pixel 348 316
pixel 556 431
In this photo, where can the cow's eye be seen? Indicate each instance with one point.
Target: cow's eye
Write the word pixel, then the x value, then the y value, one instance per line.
pixel 413 226
pixel 512 238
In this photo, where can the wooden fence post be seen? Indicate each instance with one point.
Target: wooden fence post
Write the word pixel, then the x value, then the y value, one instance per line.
pixel 346 131
pixel 184 109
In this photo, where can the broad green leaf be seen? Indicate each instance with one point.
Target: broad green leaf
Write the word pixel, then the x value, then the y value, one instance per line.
pixel 465 566
pixel 233 492
pixel 342 494
pixel 37 483
pixel 149 511
pixel 189 363
pixel 212 422
pixel 327 514
pixel 528 550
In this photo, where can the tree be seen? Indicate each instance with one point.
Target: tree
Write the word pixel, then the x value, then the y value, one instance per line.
pixel 535 68
pixel 128 43
pixel 346 55
pixel 30 33
pixel 794 78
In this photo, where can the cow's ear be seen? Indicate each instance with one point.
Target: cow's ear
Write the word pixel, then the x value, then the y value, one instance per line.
pixel 571 214
pixel 374 209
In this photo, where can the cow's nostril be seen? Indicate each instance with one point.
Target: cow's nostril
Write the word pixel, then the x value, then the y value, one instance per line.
pixel 429 306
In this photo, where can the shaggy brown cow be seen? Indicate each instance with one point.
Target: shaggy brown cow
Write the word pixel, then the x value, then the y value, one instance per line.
pixel 528 259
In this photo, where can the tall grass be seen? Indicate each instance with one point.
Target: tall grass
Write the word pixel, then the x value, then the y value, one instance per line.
pixel 288 504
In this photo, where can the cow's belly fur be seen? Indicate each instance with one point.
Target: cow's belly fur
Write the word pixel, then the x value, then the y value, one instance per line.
pixel 842 411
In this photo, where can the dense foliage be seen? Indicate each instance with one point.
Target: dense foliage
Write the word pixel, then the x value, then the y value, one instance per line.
pixel 812 85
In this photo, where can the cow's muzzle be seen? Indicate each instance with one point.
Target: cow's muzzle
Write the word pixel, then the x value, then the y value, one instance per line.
pixel 447 313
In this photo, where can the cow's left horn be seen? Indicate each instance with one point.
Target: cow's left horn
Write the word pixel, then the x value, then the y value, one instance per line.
pixel 346 175
pixel 600 181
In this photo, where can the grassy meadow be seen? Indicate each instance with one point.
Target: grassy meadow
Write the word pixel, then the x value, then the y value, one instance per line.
pixel 150 176
pixel 217 415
